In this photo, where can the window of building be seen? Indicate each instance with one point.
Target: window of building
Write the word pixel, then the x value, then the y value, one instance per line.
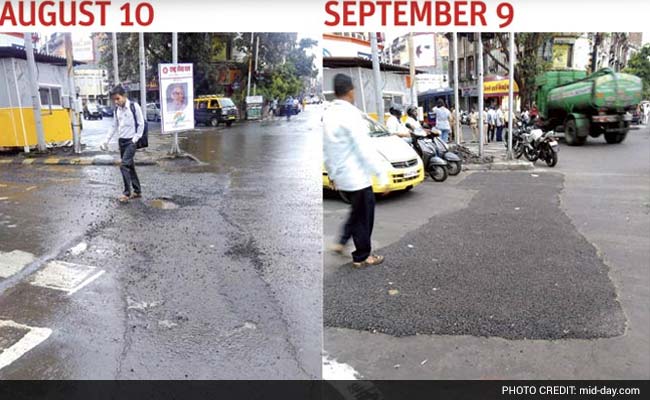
pixel 50 97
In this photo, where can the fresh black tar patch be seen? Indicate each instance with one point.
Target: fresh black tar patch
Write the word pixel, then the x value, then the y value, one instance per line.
pixel 510 265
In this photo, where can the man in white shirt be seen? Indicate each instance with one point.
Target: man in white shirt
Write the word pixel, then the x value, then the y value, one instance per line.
pixel 492 124
pixel 128 115
pixel 394 123
pixel 442 120
pixel 351 160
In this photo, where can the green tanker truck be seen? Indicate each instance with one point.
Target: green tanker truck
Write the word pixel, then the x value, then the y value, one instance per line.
pixel 593 105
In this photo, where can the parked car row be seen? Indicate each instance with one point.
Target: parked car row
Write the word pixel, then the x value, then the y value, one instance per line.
pixel 209 110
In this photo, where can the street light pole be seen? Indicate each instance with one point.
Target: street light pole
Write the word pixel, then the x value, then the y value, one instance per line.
pixel 511 80
pixel 250 66
pixel 377 78
pixel 72 90
pixel 456 105
pixel 143 78
pixel 414 99
pixel 116 72
pixel 257 53
pixel 481 136
pixel 175 147
pixel 33 89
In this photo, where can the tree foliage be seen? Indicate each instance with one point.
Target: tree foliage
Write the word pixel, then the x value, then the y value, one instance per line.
pixel 281 57
pixel 529 63
pixel 639 65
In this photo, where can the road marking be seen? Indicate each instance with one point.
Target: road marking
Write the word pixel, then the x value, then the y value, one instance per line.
pixel 32 338
pixel 336 371
pixel 65 276
pixel 28 161
pixel 13 262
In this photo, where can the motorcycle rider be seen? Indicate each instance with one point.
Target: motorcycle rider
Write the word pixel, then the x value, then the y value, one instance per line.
pixel 394 123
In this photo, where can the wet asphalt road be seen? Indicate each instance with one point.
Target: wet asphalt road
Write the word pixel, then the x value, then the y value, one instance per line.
pixel 214 274
pixel 592 211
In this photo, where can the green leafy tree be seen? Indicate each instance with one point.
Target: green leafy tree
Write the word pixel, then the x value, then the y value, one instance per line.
pixel 529 62
pixel 195 48
pixel 639 65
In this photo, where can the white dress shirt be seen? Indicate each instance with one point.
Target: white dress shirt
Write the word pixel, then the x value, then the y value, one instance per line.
pixel 124 123
pixel 350 156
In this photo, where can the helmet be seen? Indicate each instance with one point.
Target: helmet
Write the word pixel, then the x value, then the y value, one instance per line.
pixel 396 110
pixel 412 111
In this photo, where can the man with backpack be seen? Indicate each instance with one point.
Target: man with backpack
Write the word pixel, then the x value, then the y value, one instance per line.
pixel 129 126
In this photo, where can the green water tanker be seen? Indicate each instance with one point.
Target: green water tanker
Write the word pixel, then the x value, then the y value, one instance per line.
pixel 593 105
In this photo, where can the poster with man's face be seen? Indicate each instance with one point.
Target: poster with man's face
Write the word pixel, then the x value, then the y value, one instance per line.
pixel 176 97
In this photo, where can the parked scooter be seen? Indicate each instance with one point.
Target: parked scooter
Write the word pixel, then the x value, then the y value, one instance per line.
pixel 454 162
pixel 435 166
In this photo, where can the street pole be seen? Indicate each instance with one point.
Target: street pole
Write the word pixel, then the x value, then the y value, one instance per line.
pixel 143 78
pixel 511 80
pixel 257 53
pixel 377 78
pixel 414 99
pixel 116 72
pixel 174 47
pixel 456 105
pixel 175 147
pixel 250 67
pixel 33 86
pixel 481 129
pixel 74 115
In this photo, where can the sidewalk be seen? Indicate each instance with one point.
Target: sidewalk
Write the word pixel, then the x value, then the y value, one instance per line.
pixel 158 150
pixel 494 156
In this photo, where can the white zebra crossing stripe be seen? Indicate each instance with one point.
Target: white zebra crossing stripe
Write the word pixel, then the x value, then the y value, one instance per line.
pixel 13 262
pixel 65 276
pixel 31 338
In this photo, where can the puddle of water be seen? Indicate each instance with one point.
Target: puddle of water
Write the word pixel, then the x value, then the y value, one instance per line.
pixel 163 204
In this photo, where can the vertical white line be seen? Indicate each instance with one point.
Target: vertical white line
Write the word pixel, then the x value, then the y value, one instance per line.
pixel 20 106
pixel 11 105
pixel 361 84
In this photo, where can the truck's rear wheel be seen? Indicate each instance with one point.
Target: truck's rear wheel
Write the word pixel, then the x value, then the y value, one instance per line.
pixel 615 137
pixel 571 134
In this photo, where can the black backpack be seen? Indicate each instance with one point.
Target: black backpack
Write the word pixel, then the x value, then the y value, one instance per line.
pixel 144 139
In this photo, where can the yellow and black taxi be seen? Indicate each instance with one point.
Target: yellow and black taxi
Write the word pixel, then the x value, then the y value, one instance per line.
pixel 404 166
pixel 213 110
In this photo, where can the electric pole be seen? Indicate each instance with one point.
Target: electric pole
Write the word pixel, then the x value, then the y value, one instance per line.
pixel 481 129
pixel 116 73
pixel 511 83
pixel 379 100
pixel 72 90
pixel 36 99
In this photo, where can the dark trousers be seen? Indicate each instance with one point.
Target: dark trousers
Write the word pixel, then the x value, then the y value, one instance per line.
pixel 499 133
pixel 490 132
pixel 360 222
pixel 127 166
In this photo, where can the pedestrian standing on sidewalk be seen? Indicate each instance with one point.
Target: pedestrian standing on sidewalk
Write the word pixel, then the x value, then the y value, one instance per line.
pixel 492 124
pixel 500 122
pixel 473 123
pixel 351 160
pixel 128 125
pixel 442 120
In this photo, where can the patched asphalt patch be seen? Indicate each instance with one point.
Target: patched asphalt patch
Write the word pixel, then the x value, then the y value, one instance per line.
pixel 511 265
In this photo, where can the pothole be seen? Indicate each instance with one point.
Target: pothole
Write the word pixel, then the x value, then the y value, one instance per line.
pixel 163 204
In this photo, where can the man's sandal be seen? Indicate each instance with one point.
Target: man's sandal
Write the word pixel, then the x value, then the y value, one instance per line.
pixel 123 198
pixel 371 260
pixel 337 248
pixel 135 195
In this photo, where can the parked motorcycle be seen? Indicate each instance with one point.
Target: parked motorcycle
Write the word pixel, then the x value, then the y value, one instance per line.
pixel 538 144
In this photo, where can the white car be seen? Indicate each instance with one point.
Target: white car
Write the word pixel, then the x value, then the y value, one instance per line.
pixel 153 112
